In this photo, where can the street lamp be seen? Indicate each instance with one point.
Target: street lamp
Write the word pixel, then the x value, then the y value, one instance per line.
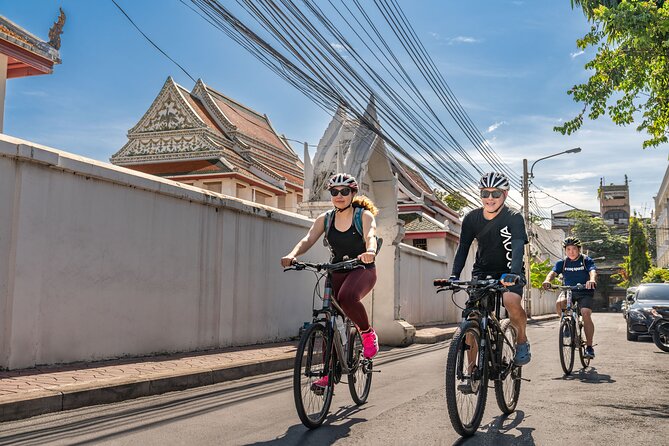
pixel 526 212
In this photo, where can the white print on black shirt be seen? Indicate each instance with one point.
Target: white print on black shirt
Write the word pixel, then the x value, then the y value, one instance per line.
pixel 506 241
pixel 575 268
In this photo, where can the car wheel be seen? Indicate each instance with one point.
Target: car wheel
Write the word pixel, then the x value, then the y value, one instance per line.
pixel 630 336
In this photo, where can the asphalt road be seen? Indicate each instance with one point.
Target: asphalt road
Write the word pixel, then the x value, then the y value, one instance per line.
pixel 622 399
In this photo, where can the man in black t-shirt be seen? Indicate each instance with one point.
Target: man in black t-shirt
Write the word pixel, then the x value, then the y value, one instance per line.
pixel 501 237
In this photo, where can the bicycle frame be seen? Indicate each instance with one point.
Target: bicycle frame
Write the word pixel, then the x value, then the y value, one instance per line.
pixel 492 336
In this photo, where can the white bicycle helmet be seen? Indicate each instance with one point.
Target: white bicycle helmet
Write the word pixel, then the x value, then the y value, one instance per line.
pixel 343 179
pixel 494 180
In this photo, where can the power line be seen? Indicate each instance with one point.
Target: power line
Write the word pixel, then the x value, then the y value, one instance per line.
pixel 152 42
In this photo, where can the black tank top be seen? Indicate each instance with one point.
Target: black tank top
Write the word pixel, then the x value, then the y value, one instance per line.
pixel 348 243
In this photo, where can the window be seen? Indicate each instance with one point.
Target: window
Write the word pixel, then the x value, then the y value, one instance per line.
pixel 214 186
pixel 261 198
pixel 281 202
pixel 420 243
pixel 615 215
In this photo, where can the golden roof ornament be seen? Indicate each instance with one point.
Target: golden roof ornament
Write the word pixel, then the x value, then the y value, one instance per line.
pixel 56 30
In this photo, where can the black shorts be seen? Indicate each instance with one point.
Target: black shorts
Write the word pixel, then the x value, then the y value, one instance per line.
pixel 584 300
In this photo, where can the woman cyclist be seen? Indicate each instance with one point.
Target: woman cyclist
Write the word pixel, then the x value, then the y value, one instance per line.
pixel 346 242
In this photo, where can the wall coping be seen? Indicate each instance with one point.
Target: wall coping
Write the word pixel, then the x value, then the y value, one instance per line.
pixel 30 152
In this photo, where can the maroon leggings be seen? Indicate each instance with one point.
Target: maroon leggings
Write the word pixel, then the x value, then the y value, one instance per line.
pixel 349 288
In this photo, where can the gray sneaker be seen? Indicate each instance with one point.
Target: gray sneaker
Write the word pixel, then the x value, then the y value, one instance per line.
pixel 523 355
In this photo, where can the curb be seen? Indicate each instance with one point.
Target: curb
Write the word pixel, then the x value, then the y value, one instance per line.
pixel 49 401
pixel 45 401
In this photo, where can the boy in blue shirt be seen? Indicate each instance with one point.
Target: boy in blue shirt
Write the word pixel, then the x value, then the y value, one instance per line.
pixel 577 268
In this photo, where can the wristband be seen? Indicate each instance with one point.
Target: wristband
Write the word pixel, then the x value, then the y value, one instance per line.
pixel 371 251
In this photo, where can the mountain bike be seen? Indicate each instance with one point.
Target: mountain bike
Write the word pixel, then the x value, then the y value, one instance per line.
pixel 483 347
pixel 330 346
pixel 571 334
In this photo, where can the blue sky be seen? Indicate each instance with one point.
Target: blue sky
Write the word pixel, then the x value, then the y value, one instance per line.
pixel 510 64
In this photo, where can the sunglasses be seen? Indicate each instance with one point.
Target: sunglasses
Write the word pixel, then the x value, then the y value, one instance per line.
pixel 344 192
pixel 495 193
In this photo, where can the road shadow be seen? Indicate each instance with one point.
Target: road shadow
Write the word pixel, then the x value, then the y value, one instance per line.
pixel 498 432
pixel 588 375
pixel 328 433
pixel 657 411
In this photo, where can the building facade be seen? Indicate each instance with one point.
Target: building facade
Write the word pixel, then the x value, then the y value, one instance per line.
pixel 662 222
pixel 206 139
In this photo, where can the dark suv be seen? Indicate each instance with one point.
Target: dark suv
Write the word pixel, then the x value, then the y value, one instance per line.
pixel 639 314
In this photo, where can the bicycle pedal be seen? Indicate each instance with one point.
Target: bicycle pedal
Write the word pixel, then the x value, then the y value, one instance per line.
pixel 526 379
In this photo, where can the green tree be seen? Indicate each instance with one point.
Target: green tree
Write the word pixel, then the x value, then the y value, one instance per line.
pixel 639 258
pixel 622 277
pixel 539 271
pixel 590 230
pixel 630 71
pixel 454 200
pixel 656 275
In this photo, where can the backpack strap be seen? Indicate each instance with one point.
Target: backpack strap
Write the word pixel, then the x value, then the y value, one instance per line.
pixel 357 219
pixel 328 222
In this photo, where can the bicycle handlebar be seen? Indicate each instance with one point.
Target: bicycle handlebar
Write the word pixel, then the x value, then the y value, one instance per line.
pixel 577 287
pixel 346 265
pixel 475 283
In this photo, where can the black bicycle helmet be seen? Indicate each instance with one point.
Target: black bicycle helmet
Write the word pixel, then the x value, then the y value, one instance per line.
pixel 573 241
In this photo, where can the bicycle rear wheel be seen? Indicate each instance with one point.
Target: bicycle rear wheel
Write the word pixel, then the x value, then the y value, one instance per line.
pixel 360 378
pixel 507 390
pixel 466 380
pixel 566 344
pixel 312 402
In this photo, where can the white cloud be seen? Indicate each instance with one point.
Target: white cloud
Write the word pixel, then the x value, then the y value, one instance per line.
pixel 495 126
pixel 463 39
pixel 575 177
pixel 338 47
pixel 576 54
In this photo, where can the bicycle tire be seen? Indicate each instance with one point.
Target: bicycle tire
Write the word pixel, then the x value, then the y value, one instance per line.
pixel 507 391
pixel 312 408
pixel 466 419
pixel 566 345
pixel 360 377
pixel 585 362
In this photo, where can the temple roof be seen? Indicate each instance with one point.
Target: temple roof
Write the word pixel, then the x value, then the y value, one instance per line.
pixel 216 127
pixel 27 54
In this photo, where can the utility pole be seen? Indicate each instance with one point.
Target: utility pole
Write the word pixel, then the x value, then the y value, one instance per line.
pixel 528 228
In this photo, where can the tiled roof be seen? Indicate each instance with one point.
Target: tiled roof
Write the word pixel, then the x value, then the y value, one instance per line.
pixel 416 177
pixel 201 111
pixel 252 128
pixel 16 35
pixel 414 222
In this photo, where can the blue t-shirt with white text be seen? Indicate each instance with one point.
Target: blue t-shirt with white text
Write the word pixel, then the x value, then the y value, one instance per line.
pixel 575 271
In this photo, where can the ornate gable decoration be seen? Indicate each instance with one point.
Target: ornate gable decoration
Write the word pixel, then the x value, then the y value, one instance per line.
pixel 169 112
pixel 172 147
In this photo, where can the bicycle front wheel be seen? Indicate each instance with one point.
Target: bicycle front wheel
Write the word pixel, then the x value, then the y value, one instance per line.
pixel 466 380
pixel 566 344
pixel 360 377
pixel 312 401
pixel 585 362
pixel 507 390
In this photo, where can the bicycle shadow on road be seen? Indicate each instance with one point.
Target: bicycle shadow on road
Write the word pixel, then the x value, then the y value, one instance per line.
pixel 328 433
pixel 499 432
pixel 588 375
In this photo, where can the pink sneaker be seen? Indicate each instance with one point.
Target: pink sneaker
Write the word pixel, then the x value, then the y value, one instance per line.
pixel 318 386
pixel 370 344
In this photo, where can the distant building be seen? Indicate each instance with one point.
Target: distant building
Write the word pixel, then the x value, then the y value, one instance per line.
pixel 564 221
pixel 614 204
pixel 662 222
pixel 206 139
pixel 22 54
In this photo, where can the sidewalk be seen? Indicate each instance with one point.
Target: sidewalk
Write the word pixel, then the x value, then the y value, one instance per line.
pixel 29 392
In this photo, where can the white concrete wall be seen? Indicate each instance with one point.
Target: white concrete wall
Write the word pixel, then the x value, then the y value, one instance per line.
pixel 543 302
pixel 97 261
pixel 419 302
